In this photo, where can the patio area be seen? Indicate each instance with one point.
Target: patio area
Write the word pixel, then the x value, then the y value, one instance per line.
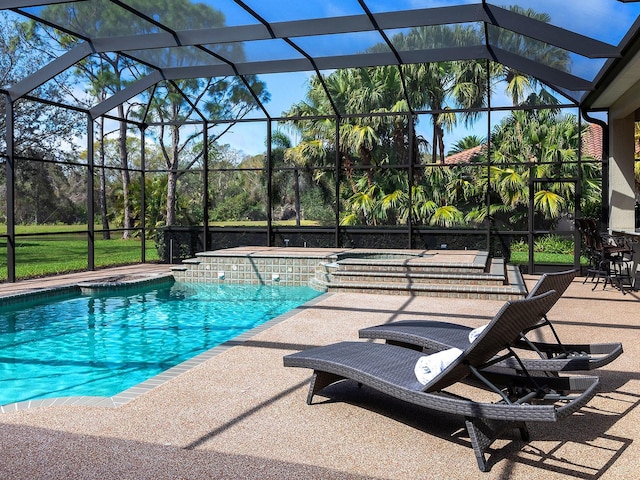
pixel 241 414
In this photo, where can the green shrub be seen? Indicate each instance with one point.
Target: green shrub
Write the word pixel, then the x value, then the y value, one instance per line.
pixel 519 246
pixel 547 244
pixel 550 249
pixel 316 207
pixel 553 244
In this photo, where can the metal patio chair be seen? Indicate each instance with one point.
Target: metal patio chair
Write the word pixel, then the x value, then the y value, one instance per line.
pixel 610 256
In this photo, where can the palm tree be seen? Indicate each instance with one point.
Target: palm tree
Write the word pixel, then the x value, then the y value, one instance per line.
pixel 433 85
pixel 537 144
pixel 466 143
pixel 368 143
pixel 519 85
pixel 284 154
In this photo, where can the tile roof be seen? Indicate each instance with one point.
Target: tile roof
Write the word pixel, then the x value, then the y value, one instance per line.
pixel 591 147
pixel 592 142
pixel 466 155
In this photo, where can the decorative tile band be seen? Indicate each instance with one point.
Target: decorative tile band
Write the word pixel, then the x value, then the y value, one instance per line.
pixel 288 271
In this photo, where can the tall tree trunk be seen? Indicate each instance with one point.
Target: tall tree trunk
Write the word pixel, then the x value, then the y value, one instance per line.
pixel 434 140
pixel 440 142
pixel 296 190
pixel 365 157
pixel 124 172
pixel 106 235
pixel 36 194
pixel 172 179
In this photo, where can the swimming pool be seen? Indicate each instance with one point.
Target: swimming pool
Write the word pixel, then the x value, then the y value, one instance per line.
pixel 103 344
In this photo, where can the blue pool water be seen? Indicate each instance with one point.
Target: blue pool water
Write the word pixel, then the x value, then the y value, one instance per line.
pixel 103 344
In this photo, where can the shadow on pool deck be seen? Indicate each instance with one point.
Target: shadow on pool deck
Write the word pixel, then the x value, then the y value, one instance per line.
pixel 241 414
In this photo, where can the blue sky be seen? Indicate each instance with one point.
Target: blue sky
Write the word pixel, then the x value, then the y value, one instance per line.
pixel 580 16
pixel 606 20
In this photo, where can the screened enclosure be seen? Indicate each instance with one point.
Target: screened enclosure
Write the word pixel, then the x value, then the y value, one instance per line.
pixel 137 131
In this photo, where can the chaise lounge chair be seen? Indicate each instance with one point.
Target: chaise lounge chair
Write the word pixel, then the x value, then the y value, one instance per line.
pixel 555 356
pixel 516 399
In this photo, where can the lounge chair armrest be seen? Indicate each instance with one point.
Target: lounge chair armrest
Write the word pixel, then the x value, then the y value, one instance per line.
pixel 579 383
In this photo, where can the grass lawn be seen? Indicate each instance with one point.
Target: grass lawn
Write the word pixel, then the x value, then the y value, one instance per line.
pixel 64 252
pixel 54 249
pixel 263 223
pixel 522 258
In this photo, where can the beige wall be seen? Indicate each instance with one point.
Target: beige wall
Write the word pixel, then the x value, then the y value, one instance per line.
pixel 621 178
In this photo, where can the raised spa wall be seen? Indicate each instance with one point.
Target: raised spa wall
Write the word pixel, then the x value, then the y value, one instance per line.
pixel 459 274
pixel 258 268
pixel 290 266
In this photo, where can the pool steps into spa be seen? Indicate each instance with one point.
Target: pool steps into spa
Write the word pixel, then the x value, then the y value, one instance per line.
pixel 497 281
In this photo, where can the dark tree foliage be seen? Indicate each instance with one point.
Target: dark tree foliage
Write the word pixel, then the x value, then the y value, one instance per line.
pixel 41 131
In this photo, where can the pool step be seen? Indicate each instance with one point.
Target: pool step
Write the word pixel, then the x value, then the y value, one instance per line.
pixel 409 266
pixel 492 280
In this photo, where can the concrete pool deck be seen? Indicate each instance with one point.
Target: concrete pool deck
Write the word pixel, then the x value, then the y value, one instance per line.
pixel 241 414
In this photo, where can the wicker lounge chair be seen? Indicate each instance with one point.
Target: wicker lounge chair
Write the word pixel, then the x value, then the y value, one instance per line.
pixel 555 356
pixel 516 398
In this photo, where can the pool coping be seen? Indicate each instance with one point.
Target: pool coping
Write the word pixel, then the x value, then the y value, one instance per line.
pixel 139 389
pixel 88 287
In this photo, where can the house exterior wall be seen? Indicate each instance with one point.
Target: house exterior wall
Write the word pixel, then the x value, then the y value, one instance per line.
pixel 622 194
